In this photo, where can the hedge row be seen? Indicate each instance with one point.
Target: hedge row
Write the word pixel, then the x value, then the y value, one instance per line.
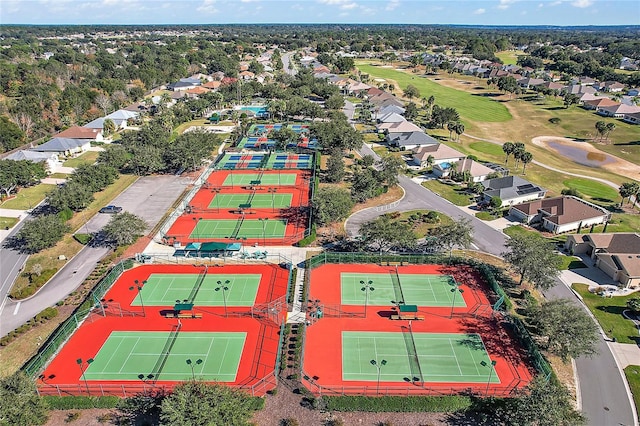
pixel 80 402
pixel 309 239
pixel 442 404
pixel 40 318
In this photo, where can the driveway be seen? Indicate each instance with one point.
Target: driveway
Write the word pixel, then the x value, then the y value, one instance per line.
pixel 148 197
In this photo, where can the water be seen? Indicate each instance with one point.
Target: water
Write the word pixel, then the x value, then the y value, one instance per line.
pixel 582 156
pixel 258 109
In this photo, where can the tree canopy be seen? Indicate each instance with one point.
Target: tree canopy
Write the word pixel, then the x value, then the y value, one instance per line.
pixel 456 234
pixel 331 204
pixel 383 234
pixel 532 256
pixel 124 228
pixel 21 405
pixel 40 233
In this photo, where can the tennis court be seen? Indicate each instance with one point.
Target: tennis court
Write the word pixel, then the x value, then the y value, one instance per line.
pixel 416 357
pixel 413 289
pixel 256 201
pixel 241 161
pixel 207 290
pixel 260 179
pixel 290 161
pixel 127 354
pixel 225 228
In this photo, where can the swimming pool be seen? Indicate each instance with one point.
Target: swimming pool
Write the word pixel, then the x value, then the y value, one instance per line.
pixel 258 109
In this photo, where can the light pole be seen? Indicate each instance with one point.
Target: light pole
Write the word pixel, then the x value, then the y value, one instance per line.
pixel 490 365
pixel 366 287
pixel 272 191
pixel 223 287
pixel 144 380
pixel 190 364
pixel 379 366
pixel 80 363
pixel 264 224
pixel 454 290
pixel 138 286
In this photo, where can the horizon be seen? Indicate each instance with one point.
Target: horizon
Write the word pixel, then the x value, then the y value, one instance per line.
pixel 489 13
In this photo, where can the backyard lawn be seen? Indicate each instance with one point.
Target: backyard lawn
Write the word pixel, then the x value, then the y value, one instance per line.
pixel 509 57
pixel 470 107
pixel 593 189
pixel 88 157
pixel 456 194
pixel 608 311
pixel 28 198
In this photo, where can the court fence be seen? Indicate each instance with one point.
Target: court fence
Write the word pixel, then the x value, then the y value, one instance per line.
pixel 62 333
pixel 166 258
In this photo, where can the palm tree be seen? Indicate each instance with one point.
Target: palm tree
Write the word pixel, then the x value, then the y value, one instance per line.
pixel 507 148
pixel 526 157
pixel 458 129
pixel 628 189
pixel 601 128
pixel 610 128
pixel 518 151
pixel 430 102
pixel 451 127
pixel 430 160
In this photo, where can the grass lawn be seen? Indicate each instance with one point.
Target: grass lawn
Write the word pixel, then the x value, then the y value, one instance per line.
pixel 59 176
pixel 470 107
pixel 456 194
pixel 571 262
pixel 621 222
pixel 28 198
pixel 593 189
pixel 521 230
pixel 633 378
pixel 88 157
pixel 7 222
pixel 487 148
pixel 486 216
pixel 184 126
pixel 608 312
pixel 509 57
pixel 421 228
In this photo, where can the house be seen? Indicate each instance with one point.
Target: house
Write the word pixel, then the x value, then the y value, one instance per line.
pixel 610 86
pixel 196 92
pixel 77 132
pixel 617 255
pixel 633 92
pixel 398 127
pixel 182 85
pixel 596 104
pixel 578 89
pixel 439 153
pixel 527 82
pixel 410 140
pixel 391 117
pixel 64 146
pixel 390 108
pixel 511 190
pixel 618 111
pixel 119 118
pixel 246 75
pixel 212 85
pixel 560 214
pixel 51 160
pixel 477 172
pixel 633 117
pixel 552 86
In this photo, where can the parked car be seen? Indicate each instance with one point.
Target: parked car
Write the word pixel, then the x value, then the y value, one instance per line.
pixel 111 209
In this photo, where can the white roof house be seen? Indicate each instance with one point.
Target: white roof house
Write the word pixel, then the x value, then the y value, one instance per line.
pixel 64 146
pixel 118 117
pixel 50 158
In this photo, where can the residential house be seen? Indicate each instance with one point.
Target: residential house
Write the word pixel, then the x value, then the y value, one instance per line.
pixel 477 171
pixel 439 153
pixel 629 64
pixel 184 84
pixel 119 118
pixel 212 85
pixel 618 111
pixel 398 127
pixel 528 82
pixel 51 160
pixel 633 92
pixel 598 103
pixel 382 111
pixel 511 190
pixel 391 117
pixel 617 255
pixel 246 75
pixel 584 81
pixel 77 132
pixel 64 146
pixel 196 92
pixel 560 214
pixel 553 86
pixel 410 140
pixel 610 86
pixel 578 89
pixel 633 117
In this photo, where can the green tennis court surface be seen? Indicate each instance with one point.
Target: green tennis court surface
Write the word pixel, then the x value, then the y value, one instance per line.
pixel 166 289
pixel 225 228
pixel 253 178
pixel 428 357
pixel 257 201
pixel 412 289
pixel 127 354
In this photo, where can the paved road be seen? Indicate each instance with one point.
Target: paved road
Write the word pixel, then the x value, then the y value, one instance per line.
pixel 604 396
pixel 286 60
pixel 11 263
pixel 148 197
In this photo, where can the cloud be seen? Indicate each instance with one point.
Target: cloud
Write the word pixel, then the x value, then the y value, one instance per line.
pixel 249 1
pixel 208 6
pixel 555 3
pixel 582 3
pixel 504 4
pixel 392 5
pixel 479 11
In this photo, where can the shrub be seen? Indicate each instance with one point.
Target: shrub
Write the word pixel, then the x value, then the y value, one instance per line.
pixel 309 239
pixel 289 422
pixel 65 214
pixel 46 314
pixel 71 417
pixel 554 120
pixel 80 402
pixel 82 238
pixel 446 404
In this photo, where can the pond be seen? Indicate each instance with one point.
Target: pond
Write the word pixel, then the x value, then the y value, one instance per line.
pixel 582 156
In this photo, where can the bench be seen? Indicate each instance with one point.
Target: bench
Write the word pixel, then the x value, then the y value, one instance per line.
pixel 394 263
pixel 407 317
pixel 181 315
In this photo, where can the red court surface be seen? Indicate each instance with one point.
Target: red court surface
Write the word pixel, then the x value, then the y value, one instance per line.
pixel 218 177
pixel 256 371
pixel 323 341
pixel 203 201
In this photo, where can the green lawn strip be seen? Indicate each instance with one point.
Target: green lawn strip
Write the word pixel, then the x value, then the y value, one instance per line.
pixel 608 312
pixel 59 175
pixel 591 188
pixel 487 148
pixel 456 194
pixel 7 222
pixel 184 126
pixel 509 57
pixel 470 107
pixel 571 262
pixel 521 230
pixel 440 404
pixel 88 157
pixel 486 216
pixel 633 378
pixel 28 198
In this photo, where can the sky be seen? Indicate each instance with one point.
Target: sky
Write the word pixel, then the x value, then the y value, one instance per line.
pixel 468 12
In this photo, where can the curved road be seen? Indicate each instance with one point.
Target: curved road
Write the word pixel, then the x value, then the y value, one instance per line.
pixel 605 399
